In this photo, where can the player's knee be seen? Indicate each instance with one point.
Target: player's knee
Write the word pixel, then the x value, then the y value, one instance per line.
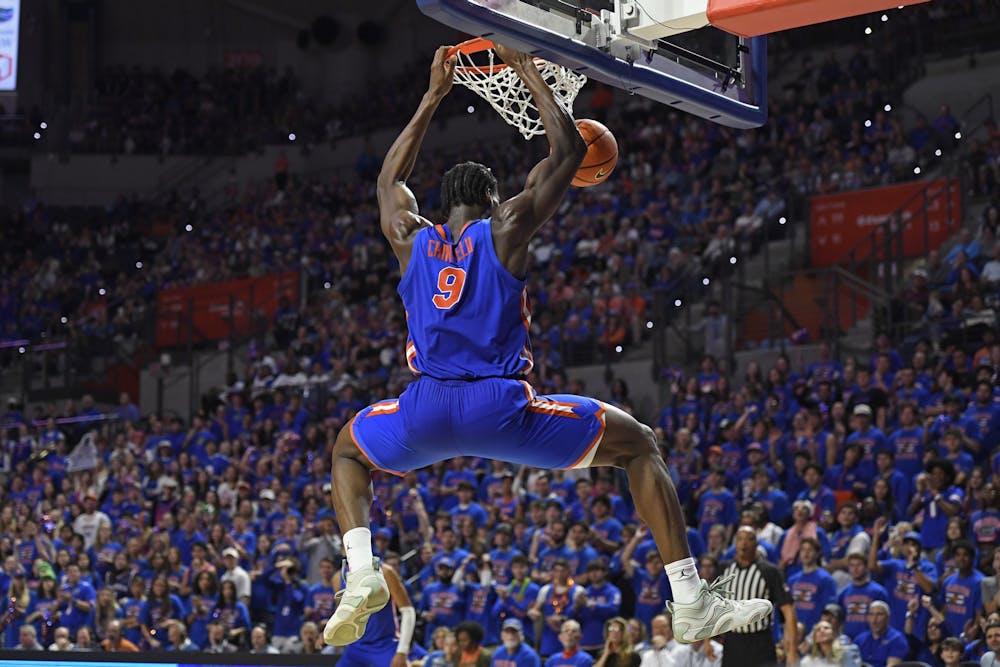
pixel 344 446
pixel 641 442
pixel 646 441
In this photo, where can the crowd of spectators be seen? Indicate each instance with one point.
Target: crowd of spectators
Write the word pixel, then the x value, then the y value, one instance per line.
pixel 864 482
pixel 871 484
pixel 955 293
pixel 687 196
pixel 136 111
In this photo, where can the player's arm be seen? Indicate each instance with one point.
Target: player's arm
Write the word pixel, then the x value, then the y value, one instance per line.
pixel 407 615
pixel 874 566
pixel 628 565
pixel 397 205
pixel 548 181
pixel 791 633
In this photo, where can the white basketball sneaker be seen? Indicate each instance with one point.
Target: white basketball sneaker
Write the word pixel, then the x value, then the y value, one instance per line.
pixel 715 613
pixel 365 593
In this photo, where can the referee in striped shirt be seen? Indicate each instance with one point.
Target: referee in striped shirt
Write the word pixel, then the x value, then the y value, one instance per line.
pixel 756 578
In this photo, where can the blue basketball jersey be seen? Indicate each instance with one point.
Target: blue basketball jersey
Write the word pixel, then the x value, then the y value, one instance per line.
pixel 468 317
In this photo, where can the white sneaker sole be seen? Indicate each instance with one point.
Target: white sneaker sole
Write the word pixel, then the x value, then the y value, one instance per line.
pixel 349 621
pixel 724 623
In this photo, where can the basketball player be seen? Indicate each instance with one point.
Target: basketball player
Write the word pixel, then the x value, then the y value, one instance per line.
pixel 380 645
pixel 464 293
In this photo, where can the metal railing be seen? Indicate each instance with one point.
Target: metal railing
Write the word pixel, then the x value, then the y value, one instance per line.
pixel 82 361
pixel 977 115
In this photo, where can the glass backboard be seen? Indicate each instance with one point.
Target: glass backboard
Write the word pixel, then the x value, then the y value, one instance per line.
pixel 681 63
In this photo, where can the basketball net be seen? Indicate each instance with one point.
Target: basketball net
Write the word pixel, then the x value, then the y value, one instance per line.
pixel 500 85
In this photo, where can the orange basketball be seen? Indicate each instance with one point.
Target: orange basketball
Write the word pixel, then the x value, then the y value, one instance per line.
pixel 601 157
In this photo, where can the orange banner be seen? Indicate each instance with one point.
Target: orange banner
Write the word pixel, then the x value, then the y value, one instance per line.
pixel 218 310
pixel 840 222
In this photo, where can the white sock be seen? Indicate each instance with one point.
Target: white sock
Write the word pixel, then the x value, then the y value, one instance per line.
pixel 358 545
pixel 684 580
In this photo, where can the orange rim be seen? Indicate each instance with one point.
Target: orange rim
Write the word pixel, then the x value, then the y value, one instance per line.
pixel 478 45
pixel 470 46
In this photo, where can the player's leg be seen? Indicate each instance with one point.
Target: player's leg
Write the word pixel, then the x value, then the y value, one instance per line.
pixel 366 591
pixel 392 436
pixel 351 482
pixel 631 445
pixel 699 611
pixel 354 656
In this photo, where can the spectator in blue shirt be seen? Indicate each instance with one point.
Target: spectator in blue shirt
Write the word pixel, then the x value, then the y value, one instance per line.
pixel 825 368
pixel 986 413
pixel 604 486
pixel 76 600
pixel 819 495
pixel 159 610
pixel 473 579
pixel 869 437
pixel 514 599
pixel 881 645
pixel 572 655
pixel 553 537
pixel 320 603
pixel 648 579
pixel 467 506
pixel 774 500
pixel 449 547
pixel 513 652
pixel 885 468
pixel 951 450
pixel 856 598
pixel 717 505
pixel 756 457
pixel 961 592
pixel 812 588
pixel 938 500
pixel 557 601
pixel 442 602
pixel 733 454
pixel 904 577
pixel 603 601
pixel 606 531
pixel 853 475
pixel 289 603
pixel 502 554
pixel 954 418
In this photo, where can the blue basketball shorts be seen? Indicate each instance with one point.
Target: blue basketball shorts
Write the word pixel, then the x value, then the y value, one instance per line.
pixel 493 418
pixel 364 655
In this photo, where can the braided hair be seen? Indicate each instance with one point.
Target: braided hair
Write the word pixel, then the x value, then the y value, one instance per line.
pixel 466 183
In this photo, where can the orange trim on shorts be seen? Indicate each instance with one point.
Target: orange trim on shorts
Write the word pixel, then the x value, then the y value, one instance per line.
pixel 357 443
pixel 540 409
pixel 548 406
pixel 597 439
pixel 384 407
pixel 529 391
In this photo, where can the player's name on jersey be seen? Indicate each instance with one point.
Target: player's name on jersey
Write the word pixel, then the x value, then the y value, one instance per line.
pixel 449 253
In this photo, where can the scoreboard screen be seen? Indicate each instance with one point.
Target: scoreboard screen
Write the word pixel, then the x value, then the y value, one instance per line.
pixel 10 23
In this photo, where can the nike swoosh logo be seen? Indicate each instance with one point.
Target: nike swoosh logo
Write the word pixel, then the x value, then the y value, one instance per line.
pixel 600 173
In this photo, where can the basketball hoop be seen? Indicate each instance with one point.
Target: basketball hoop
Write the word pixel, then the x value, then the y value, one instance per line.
pixel 500 85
